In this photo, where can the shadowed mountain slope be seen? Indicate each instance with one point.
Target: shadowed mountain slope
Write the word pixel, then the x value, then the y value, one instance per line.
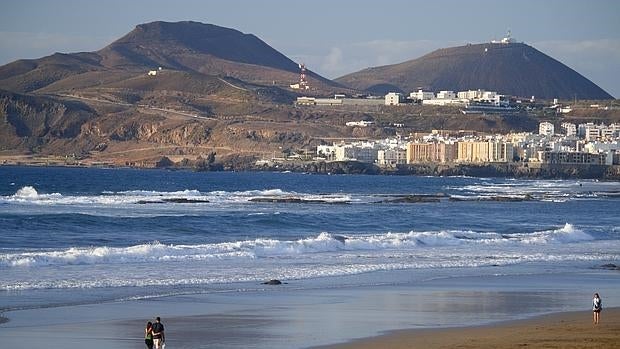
pixel 514 69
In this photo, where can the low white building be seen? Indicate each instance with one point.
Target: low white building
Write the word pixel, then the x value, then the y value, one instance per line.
pixel 443 102
pixel 444 98
pixel 477 95
pixel 362 123
pixel 446 95
pixel 421 95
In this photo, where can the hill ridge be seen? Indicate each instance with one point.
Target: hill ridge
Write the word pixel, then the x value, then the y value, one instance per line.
pixel 515 69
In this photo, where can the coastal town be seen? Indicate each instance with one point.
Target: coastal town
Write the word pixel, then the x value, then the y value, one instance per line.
pixel 572 144
pixel 565 143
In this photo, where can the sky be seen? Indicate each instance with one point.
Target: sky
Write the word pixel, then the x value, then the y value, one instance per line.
pixel 332 37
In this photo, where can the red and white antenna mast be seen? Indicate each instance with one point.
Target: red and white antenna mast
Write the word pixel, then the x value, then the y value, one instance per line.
pixel 303 83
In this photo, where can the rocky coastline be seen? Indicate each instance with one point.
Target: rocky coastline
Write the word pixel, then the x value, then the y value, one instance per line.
pixel 512 170
pixel 250 164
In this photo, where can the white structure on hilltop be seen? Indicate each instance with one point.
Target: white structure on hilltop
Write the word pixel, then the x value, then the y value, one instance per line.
pixel 154 72
pixel 477 95
pixel 421 95
pixel 505 40
pixel 362 123
pixel 393 98
pixel 443 98
pixel 546 128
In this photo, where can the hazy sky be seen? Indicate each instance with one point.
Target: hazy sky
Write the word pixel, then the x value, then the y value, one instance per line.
pixel 334 37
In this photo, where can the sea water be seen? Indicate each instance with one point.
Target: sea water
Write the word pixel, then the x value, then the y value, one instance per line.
pixel 75 235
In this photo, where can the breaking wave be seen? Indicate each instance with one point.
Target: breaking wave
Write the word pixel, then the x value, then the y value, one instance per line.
pixel 272 248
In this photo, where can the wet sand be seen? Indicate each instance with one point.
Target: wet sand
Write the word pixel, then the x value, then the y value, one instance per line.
pixel 561 330
pixel 283 317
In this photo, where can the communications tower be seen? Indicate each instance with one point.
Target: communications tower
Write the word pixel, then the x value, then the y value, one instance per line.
pixel 303 83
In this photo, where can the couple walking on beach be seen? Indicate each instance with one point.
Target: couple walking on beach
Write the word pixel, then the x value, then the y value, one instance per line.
pixel 154 334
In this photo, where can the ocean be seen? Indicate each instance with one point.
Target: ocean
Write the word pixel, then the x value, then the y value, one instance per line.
pixel 85 235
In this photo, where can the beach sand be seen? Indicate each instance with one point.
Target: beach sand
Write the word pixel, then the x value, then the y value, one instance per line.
pixel 561 330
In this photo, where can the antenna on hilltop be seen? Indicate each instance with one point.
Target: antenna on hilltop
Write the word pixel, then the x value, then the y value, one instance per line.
pixel 303 83
pixel 505 40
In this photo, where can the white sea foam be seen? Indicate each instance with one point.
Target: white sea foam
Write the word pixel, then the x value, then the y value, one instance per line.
pixel 272 248
pixel 29 195
pixel 547 190
pixel 566 234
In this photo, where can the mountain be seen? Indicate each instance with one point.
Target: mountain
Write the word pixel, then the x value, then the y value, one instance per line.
pixel 181 46
pixel 510 68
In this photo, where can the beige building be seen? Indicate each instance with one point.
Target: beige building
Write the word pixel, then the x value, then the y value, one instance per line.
pixel 500 151
pixel 431 152
pixel 485 151
pixel 473 152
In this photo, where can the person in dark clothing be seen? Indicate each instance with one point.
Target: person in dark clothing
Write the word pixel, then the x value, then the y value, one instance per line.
pixel 158 334
pixel 148 335
pixel 597 306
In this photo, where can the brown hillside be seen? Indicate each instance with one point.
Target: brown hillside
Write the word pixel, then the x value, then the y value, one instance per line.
pixel 182 46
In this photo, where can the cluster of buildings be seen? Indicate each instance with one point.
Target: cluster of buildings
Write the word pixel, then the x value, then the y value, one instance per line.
pixel 461 98
pixel 575 144
pixel 467 99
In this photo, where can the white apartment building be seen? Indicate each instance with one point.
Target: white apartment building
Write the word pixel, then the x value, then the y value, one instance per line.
pixel 393 98
pixel 591 132
pixel 546 128
pixel 569 129
pixel 361 151
pixel 391 157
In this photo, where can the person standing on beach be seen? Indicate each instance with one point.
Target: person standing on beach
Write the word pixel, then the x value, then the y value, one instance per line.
pixel 158 334
pixel 597 306
pixel 148 335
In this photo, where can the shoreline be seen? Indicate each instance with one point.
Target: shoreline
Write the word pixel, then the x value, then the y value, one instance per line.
pixel 560 330
pixel 427 314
